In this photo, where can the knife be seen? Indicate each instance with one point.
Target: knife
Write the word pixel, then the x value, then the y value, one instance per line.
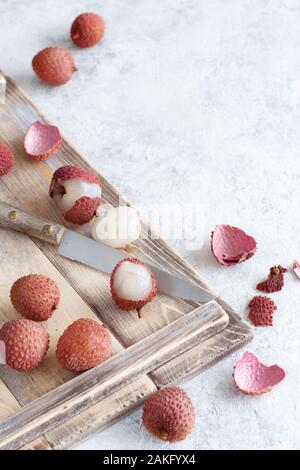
pixel 80 248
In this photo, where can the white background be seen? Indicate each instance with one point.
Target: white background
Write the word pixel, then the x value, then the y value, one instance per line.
pixel 192 101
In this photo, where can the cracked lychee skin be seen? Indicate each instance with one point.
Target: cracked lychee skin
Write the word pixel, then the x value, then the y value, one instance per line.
pixel 83 345
pixel 85 207
pixel 26 344
pixel 169 414
pixel 261 310
pixel 125 304
pixel 6 159
pixel 35 296
pixel 87 30
pixel 275 281
pixel 54 65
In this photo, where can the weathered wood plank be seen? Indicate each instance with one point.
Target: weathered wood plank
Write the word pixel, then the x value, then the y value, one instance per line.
pixel 27 187
pixel 111 376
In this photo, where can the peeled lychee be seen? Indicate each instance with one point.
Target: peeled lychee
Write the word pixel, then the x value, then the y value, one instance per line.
pixel 26 343
pixel 87 30
pixel 169 414
pixel 35 296
pixel 83 345
pixel 54 65
pixel 116 226
pixel 76 192
pixel 42 140
pixel 132 284
pixel 6 159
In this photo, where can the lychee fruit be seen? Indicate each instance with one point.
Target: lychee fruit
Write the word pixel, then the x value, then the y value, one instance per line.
pixel 26 343
pixel 35 296
pixel 83 345
pixel 169 414
pixel 54 65
pixel 87 29
pixel 42 140
pixel 76 192
pixel 6 159
pixel 132 284
pixel 115 226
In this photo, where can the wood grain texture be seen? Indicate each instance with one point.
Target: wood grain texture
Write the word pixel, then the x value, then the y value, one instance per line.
pixel 111 376
pixel 27 187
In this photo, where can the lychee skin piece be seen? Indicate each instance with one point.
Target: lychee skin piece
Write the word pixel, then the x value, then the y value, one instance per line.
pixel 26 344
pixel 87 30
pixel 6 159
pixel 252 377
pixel 42 141
pixel 275 281
pixel 35 296
pixel 261 310
pixel 169 414
pixel 231 245
pixel 125 304
pixel 85 207
pixel 54 65
pixel 83 345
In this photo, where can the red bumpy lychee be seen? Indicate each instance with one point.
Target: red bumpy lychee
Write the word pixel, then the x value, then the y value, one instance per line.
pixel 261 310
pixel 35 296
pixel 275 281
pixel 132 284
pixel 169 414
pixel 76 192
pixel 54 65
pixel 26 343
pixel 6 159
pixel 83 345
pixel 87 30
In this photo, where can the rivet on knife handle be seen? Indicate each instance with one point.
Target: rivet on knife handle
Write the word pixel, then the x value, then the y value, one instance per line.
pixel 37 227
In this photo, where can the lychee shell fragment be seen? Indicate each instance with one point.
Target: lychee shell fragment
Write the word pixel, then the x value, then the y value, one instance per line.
pixel 169 414
pixel 42 140
pixel 35 296
pixel 26 343
pixel 83 345
pixel 231 245
pixel 254 378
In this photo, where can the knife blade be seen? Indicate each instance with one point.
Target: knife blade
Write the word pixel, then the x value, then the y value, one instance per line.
pixel 80 248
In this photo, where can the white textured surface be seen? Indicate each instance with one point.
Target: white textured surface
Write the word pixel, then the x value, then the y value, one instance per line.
pixel 192 100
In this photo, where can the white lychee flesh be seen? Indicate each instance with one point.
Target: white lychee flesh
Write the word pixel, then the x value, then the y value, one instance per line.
pixel 132 281
pixel 2 352
pixel 116 226
pixel 66 193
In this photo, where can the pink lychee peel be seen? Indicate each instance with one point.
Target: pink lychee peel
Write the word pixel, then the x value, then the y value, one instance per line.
pixel 231 245
pixel 42 140
pixel 254 378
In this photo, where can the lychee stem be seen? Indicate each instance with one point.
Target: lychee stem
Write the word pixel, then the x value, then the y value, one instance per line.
pixel 139 312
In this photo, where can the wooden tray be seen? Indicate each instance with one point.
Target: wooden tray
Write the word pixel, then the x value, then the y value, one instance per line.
pixel 85 293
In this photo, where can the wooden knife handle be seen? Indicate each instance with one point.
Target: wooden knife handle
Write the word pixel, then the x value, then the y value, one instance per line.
pixel 37 227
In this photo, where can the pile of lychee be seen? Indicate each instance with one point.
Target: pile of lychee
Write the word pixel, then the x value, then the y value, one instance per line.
pixel 24 342
pixel 168 414
pixel 56 65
